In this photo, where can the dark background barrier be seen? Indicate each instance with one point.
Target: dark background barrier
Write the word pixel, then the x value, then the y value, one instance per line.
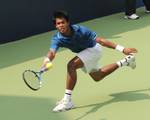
pixel 23 18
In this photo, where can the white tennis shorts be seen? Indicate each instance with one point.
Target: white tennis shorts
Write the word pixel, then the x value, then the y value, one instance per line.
pixel 90 58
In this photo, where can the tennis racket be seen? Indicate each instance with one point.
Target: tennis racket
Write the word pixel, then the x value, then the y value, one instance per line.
pixel 33 79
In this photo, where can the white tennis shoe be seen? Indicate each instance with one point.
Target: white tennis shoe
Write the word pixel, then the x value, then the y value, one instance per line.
pixel 130 61
pixel 63 105
pixel 147 11
pixel 132 17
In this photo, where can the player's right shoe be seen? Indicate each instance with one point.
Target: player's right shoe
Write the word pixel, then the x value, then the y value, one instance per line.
pixel 63 105
pixel 130 61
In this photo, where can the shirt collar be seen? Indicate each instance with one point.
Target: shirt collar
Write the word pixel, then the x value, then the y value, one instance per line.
pixel 73 27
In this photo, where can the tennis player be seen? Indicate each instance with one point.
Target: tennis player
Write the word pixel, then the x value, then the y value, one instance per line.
pixel 88 48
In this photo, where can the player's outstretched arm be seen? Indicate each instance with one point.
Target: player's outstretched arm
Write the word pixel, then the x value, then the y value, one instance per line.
pixel 112 45
pixel 50 56
pixel 106 43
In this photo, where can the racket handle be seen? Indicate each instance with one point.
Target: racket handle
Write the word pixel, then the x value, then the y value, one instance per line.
pixel 46 67
pixel 43 69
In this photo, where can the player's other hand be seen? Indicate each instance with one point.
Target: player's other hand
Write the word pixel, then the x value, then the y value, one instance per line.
pixel 128 51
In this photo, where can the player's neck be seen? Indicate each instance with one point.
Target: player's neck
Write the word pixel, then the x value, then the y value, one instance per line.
pixel 68 33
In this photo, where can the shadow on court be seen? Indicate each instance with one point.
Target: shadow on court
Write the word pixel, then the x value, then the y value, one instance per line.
pixel 27 108
pixel 129 96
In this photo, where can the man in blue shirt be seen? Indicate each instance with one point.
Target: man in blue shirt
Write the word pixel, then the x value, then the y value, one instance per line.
pixel 87 46
pixel 81 39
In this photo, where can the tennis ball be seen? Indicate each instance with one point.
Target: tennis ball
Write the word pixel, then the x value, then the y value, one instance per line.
pixel 49 65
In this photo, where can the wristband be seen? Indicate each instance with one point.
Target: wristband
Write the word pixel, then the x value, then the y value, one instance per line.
pixel 46 59
pixel 119 48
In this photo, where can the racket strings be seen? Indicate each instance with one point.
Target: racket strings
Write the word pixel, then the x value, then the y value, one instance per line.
pixel 32 79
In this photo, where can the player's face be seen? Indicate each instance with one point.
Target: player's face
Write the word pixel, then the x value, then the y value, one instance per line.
pixel 62 25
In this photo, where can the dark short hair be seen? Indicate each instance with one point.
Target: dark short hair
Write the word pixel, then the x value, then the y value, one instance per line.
pixel 60 14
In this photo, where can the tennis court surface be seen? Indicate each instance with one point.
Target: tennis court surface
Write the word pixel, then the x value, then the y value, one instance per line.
pixel 124 95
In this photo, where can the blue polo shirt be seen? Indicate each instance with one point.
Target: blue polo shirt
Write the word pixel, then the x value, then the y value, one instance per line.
pixel 81 39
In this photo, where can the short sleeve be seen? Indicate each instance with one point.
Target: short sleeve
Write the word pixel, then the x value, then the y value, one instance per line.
pixel 90 34
pixel 54 44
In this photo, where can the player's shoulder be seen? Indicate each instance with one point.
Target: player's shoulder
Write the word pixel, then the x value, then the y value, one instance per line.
pixel 75 27
pixel 56 36
pixel 80 28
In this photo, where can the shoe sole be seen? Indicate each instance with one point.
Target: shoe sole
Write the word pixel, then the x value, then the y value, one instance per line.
pixel 133 65
pixel 131 18
pixel 66 109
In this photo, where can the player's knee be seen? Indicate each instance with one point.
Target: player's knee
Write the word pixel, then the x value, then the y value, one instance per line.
pixel 97 79
pixel 97 76
pixel 71 65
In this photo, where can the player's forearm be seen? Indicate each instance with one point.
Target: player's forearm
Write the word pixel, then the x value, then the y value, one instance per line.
pixel 110 44
pixel 106 43
pixel 47 62
pixel 51 55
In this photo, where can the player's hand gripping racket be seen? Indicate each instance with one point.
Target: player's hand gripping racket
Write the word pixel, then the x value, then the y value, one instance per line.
pixel 33 79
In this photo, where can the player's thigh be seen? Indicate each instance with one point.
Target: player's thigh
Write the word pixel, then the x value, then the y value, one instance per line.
pixel 76 62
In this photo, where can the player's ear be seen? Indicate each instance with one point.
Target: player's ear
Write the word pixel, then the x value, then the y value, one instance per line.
pixel 68 22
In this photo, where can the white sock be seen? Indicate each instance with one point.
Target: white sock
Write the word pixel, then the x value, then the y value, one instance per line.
pixel 122 62
pixel 67 95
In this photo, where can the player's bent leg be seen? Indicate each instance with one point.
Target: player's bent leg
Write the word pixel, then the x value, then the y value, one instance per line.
pixel 103 72
pixel 72 66
pixel 66 103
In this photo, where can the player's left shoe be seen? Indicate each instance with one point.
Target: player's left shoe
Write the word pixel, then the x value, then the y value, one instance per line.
pixel 130 61
pixel 63 105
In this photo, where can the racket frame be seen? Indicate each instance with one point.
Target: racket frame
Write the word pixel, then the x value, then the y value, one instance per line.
pixel 37 74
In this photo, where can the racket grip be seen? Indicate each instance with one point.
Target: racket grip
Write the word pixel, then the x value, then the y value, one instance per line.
pixel 46 67
pixel 43 69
